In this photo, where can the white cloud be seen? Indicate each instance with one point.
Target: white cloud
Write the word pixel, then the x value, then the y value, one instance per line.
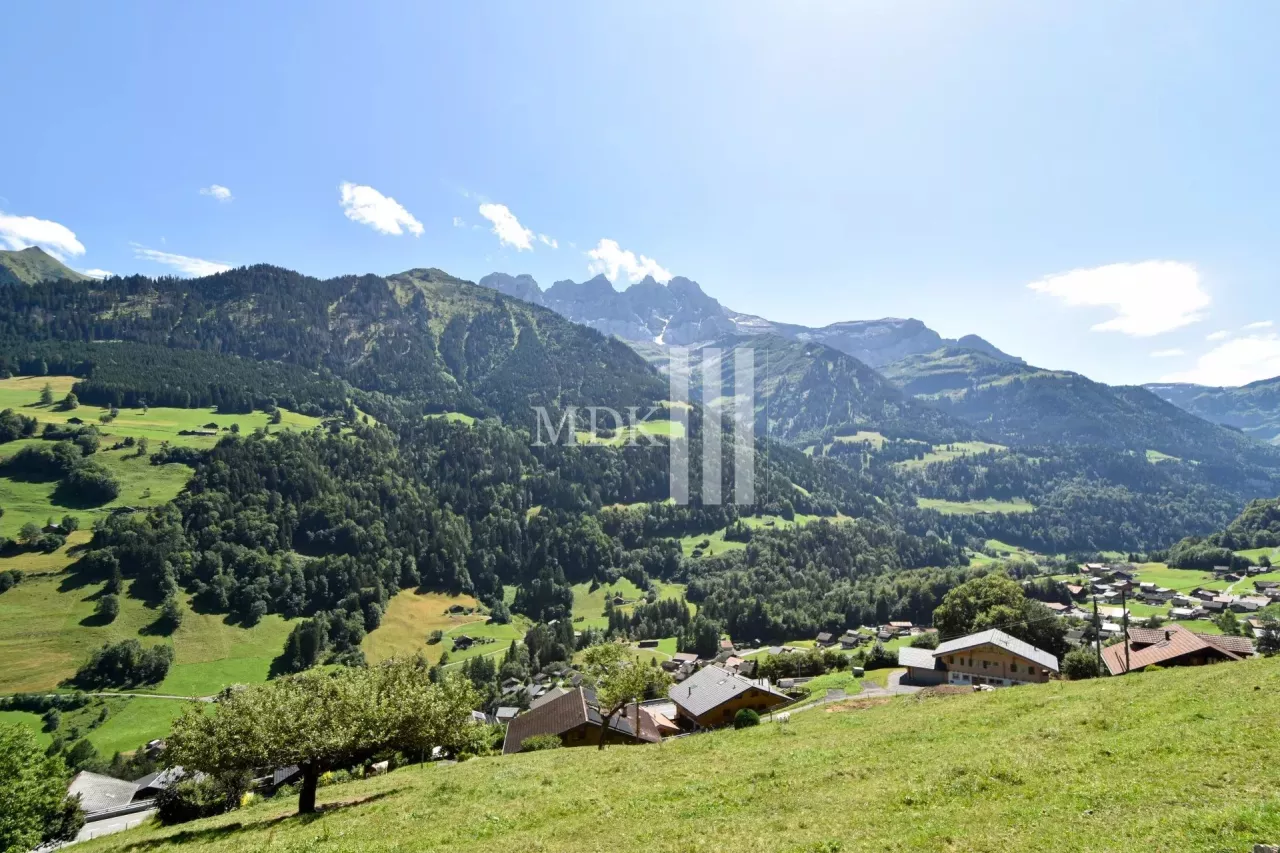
pixel 1148 298
pixel 1236 362
pixel 381 213
pixel 182 263
pixel 459 222
pixel 1220 335
pixel 1168 353
pixel 21 232
pixel 509 230
pixel 1261 324
pixel 613 261
pixel 98 273
pixel 218 191
pixel 549 241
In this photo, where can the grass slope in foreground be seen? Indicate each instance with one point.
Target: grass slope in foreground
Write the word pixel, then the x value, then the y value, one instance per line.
pixel 1180 760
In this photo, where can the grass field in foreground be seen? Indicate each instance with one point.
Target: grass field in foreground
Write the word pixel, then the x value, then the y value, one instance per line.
pixel 974 507
pixel 1180 760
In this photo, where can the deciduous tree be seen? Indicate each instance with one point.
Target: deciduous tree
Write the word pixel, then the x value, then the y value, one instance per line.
pixel 326 720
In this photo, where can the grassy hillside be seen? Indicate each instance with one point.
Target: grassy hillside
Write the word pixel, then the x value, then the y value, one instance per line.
pixel 1180 760
pixel 27 266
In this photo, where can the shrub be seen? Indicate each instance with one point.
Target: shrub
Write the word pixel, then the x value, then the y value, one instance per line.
pixel 108 608
pixel 191 798
pixel 745 719
pixel 927 640
pixel 9 578
pixel 880 658
pixel 88 484
pixel 1080 663
pixel 540 742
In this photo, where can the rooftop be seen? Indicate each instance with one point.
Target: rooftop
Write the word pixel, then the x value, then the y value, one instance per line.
pixel 996 637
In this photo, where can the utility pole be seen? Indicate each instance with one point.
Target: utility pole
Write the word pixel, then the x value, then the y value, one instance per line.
pixel 1097 632
pixel 1124 613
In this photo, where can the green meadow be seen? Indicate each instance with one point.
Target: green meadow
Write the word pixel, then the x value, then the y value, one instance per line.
pixel 1182 760
pixel 947 452
pixel 974 507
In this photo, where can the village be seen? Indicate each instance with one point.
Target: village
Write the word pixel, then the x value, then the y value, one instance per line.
pixel 739 686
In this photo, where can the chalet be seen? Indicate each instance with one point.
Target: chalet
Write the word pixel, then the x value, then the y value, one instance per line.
pixel 825 638
pixel 989 657
pixel 1056 608
pixel 1255 570
pixel 1247 605
pixel 1110 629
pixel 506 714
pixel 852 639
pixel 510 685
pixel 712 696
pixel 51 527
pixel 1075 591
pixel 151 785
pixel 1185 612
pixel 647 644
pixel 1172 645
pixel 685 657
pixel 1221 570
pixel 1263 586
pixel 727 646
pixel 1213 605
pixel 575 718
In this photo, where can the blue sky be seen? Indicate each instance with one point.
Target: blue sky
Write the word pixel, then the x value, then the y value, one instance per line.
pixel 1093 186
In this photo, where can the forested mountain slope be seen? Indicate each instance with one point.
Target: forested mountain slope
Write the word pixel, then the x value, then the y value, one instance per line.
pixel 810 391
pixel 422 336
pixel 1254 408
pixel 1025 405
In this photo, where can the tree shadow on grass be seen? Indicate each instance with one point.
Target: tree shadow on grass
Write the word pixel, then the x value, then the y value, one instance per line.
pixel 215 833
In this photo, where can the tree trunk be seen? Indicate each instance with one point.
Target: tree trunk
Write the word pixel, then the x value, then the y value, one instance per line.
pixel 604 732
pixel 310 781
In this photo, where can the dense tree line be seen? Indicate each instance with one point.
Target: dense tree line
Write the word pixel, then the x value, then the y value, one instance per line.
pixel 824 577
pixel 124 664
pixel 128 375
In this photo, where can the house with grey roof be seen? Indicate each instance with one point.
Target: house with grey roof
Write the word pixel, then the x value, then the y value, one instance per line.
pixel 712 696
pixel 99 793
pixel 989 657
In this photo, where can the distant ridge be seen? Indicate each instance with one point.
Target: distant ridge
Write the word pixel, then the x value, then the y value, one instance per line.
pixel 1254 409
pixel 679 313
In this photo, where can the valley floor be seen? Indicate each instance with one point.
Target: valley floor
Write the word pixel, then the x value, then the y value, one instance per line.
pixel 1179 760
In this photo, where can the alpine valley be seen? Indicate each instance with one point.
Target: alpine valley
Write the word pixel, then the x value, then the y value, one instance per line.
pixel 263 471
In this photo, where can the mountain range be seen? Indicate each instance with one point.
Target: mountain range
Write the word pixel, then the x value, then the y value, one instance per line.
pixel 1254 409
pixel 679 313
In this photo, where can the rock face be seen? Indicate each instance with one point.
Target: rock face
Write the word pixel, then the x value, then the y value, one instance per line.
pixel 679 313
